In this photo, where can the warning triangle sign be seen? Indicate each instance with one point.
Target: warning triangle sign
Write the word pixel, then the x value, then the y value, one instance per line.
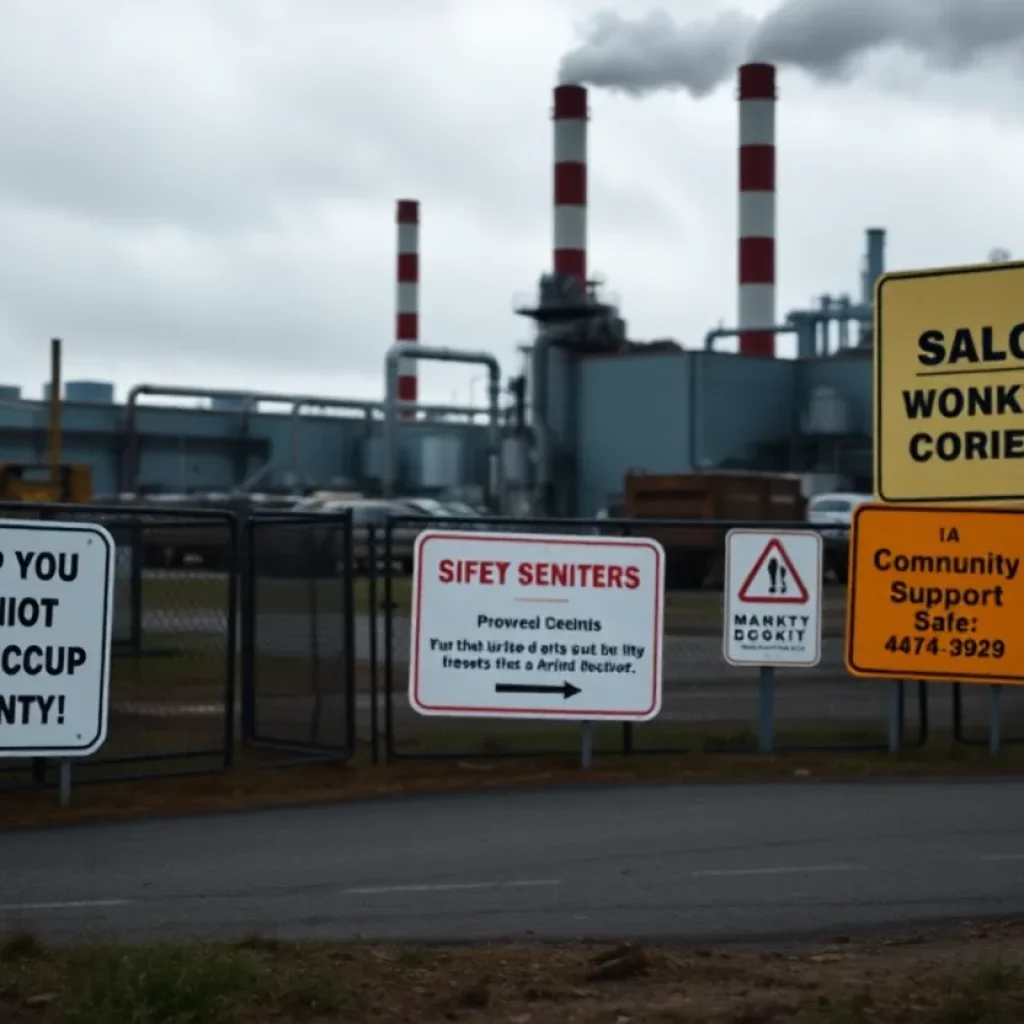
pixel 774 579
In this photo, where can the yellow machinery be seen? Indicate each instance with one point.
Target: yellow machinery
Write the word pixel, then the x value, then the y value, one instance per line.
pixel 55 481
pixel 21 482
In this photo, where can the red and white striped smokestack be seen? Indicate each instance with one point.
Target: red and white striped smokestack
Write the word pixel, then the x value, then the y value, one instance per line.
pixel 756 298
pixel 570 192
pixel 407 293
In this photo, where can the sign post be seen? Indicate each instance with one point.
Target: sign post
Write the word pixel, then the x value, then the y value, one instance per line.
pixel 56 605
pixel 949 370
pixel 772 609
pixel 535 626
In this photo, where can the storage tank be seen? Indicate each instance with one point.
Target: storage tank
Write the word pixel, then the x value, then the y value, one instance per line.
pixel 827 413
pixel 96 392
pixel 372 458
pixel 515 460
pixel 440 462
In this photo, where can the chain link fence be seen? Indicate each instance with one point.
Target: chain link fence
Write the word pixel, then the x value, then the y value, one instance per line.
pixel 174 641
pixel 298 635
pixel 708 706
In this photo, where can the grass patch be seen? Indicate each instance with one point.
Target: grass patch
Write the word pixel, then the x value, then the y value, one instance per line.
pixel 185 593
pixel 427 737
pixel 958 975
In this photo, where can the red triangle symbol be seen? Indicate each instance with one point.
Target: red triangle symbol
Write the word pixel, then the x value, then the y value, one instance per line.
pixel 783 586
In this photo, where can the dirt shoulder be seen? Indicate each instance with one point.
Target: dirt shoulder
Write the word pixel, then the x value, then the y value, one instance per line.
pixel 252 784
pixel 964 974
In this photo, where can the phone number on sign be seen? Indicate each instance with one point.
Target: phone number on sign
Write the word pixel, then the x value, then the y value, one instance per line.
pixel 956 647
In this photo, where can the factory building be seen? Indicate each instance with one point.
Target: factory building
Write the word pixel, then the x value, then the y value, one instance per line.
pixel 589 405
pixel 603 405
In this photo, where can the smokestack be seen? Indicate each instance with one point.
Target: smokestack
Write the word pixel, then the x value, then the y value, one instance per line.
pixel 756 297
pixel 407 295
pixel 570 192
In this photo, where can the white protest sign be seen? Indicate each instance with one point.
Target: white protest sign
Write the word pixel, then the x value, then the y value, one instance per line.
pixel 56 607
pixel 772 598
pixel 537 626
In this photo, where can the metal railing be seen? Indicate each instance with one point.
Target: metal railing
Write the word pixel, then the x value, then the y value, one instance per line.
pixel 299 677
pixel 174 642
pixel 708 706
pixel 291 633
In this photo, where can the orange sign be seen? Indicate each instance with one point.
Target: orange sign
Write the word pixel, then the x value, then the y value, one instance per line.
pixel 936 593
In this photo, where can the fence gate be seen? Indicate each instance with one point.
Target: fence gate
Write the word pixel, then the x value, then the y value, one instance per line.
pixel 298 634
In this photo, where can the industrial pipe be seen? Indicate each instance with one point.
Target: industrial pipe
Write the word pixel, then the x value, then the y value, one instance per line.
pixel 415 350
pixel 370 409
pixel 875 261
pixel 250 399
pixel 734 332
pixel 130 471
pixel 55 412
pixel 540 364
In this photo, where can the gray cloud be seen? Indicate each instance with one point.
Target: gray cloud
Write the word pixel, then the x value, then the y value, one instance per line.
pixel 825 38
pixel 202 190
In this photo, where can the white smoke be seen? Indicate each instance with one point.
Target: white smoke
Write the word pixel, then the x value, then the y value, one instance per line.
pixel 825 38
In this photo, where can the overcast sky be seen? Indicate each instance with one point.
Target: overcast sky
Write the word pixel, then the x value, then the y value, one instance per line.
pixel 202 191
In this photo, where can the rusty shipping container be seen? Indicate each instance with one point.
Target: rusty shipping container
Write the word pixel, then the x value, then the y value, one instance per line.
pixel 693 552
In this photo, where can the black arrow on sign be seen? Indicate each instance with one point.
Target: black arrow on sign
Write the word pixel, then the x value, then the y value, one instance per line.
pixel 567 690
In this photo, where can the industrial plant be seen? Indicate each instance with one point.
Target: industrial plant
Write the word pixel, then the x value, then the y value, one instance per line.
pixel 590 408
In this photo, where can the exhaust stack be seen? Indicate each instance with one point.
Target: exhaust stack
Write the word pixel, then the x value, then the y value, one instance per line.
pixel 570 183
pixel 756 296
pixel 407 295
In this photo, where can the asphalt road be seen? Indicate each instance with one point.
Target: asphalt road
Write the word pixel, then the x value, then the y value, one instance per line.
pixel 699 862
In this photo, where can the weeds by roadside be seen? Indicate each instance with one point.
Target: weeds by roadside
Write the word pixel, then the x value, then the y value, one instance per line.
pixel 949 976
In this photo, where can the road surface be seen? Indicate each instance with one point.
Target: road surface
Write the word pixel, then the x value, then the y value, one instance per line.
pixel 700 862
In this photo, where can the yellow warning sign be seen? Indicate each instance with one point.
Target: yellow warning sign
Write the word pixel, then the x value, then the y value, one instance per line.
pixel 949 384
pixel 936 593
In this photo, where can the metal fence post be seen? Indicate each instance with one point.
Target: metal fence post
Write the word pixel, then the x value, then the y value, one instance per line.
pixel 586 745
pixel 371 622
pixel 995 722
pixel 312 568
pixel 389 643
pixel 232 642
pixel 248 616
pixel 766 710
pixel 349 630
pixel 895 716
pixel 65 783
pixel 135 588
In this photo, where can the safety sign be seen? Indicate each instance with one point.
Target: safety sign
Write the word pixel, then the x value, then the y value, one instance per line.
pixel 936 593
pixel 512 625
pixel 949 371
pixel 56 596
pixel 773 598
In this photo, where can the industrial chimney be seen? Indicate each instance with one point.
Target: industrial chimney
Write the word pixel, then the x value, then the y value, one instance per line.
pixel 407 294
pixel 570 185
pixel 756 296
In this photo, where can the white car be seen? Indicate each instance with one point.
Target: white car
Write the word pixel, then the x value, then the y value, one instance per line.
pixel 836 508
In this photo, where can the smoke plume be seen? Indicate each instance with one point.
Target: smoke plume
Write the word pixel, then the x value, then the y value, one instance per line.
pixel 825 38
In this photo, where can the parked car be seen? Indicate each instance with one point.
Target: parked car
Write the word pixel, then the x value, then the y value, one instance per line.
pixel 836 510
pixel 377 513
pixel 462 509
pixel 430 507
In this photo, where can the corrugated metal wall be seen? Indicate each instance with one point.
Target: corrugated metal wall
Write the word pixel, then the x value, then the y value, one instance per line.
pixel 198 449
pixel 634 414
pixel 635 411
